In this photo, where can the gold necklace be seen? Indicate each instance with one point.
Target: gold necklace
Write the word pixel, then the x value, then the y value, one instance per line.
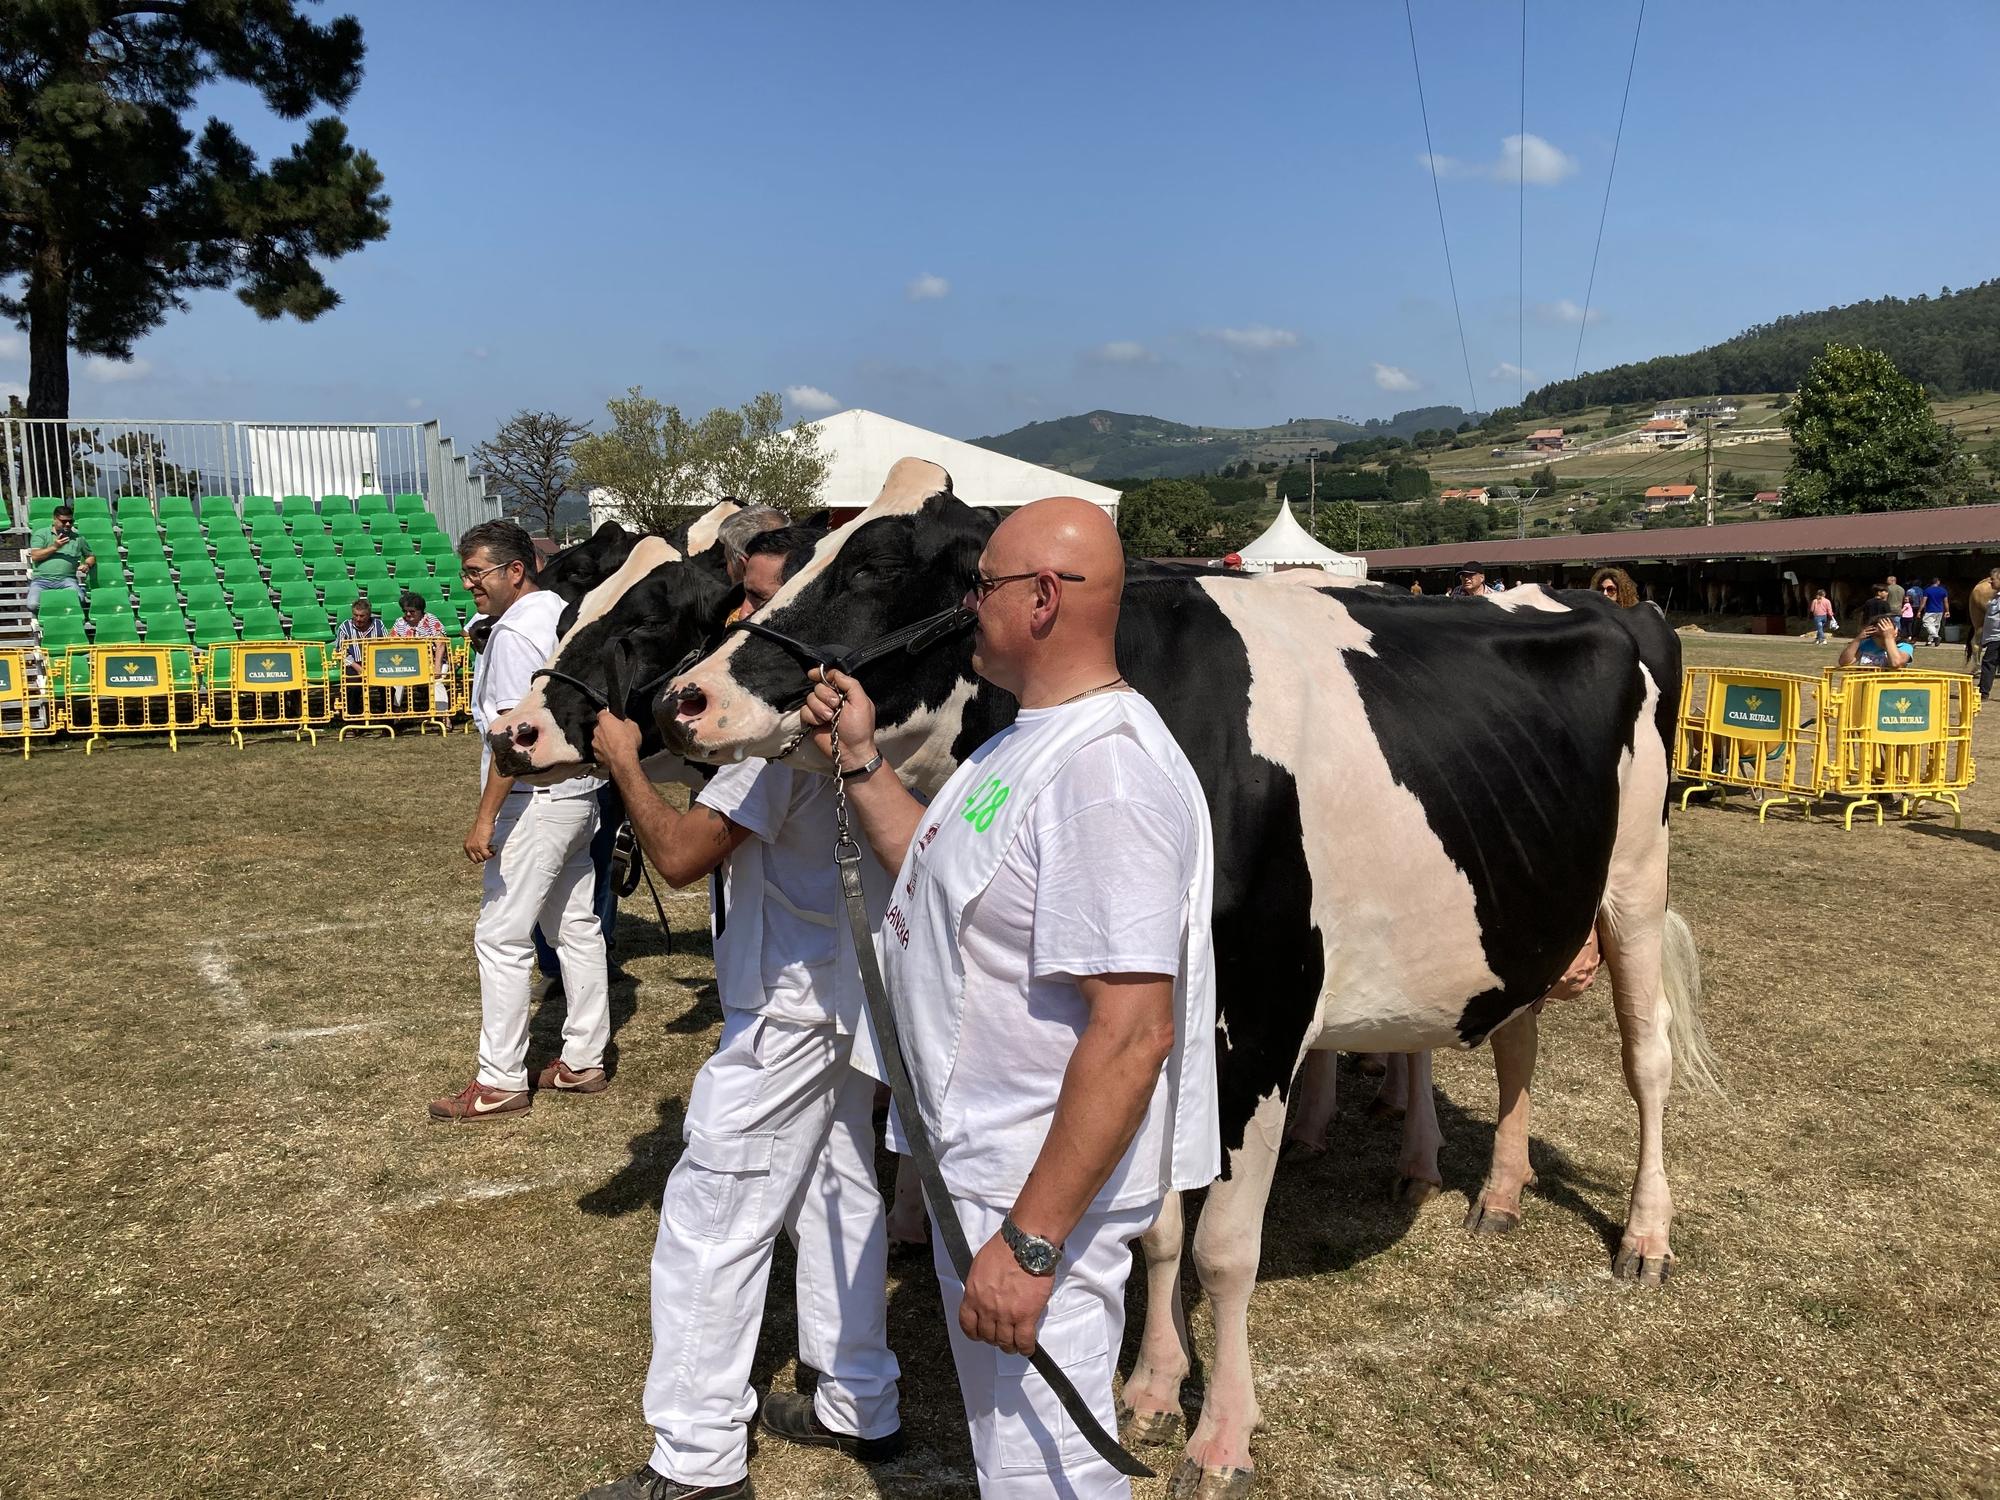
pixel 1101 687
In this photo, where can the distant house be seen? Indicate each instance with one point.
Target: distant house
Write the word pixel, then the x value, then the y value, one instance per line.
pixel 1669 497
pixel 1477 495
pixel 1719 411
pixel 1666 430
pixel 1672 413
pixel 1766 497
pixel 1546 440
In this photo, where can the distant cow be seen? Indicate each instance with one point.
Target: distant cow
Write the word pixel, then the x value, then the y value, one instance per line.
pixel 1513 752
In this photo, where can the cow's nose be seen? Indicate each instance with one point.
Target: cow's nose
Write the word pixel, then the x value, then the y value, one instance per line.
pixel 525 736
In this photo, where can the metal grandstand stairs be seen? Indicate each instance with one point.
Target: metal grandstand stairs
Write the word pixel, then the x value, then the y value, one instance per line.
pixel 17 626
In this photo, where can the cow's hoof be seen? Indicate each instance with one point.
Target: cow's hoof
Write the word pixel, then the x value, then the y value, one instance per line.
pixel 1148 1429
pixel 1633 1264
pixel 1192 1482
pixel 1382 1109
pixel 1415 1192
pixel 1490 1222
pixel 1295 1150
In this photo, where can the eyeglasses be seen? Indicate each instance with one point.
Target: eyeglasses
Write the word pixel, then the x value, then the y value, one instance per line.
pixel 470 576
pixel 1607 588
pixel 983 587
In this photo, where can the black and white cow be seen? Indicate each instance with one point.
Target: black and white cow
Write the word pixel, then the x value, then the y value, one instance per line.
pixel 1514 752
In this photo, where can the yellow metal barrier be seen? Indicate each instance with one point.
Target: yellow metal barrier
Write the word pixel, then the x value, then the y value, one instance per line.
pixel 1744 730
pixel 269 685
pixel 401 680
pixel 29 709
pixel 132 690
pixel 463 661
pixel 1904 735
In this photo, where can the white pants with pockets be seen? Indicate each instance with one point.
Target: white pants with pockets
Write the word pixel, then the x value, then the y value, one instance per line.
pixel 1024 1445
pixel 540 872
pixel 780 1135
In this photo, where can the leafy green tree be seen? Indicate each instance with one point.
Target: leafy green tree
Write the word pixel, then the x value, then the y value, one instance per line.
pixel 112 211
pixel 1864 438
pixel 1543 479
pixel 663 469
pixel 529 463
pixel 1166 518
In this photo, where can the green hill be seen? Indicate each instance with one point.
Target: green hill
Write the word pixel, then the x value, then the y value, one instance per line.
pixel 1949 344
pixel 1118 445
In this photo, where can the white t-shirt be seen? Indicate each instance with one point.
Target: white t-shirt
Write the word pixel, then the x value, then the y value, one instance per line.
pixel 521 640
pixel 782 944
pixel 1095 883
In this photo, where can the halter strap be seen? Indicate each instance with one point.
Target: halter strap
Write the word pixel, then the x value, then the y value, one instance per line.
pixel 913 639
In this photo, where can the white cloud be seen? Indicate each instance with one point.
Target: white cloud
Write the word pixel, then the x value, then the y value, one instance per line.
pixel 927 288
pixel 1562 310
pixel 1389 378
pixel 1543 164
pixel 1508 370
pixel 810 398
pixel 414 403
pixel 114 371
pixel 1124 352
pixel 481 352
pixel 1258 338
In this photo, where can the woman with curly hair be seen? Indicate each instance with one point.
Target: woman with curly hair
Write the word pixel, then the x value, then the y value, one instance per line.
pixel 1616 585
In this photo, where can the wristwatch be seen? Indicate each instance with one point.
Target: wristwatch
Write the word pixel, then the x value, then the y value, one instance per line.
pixel 1032 1253
pixel 867 768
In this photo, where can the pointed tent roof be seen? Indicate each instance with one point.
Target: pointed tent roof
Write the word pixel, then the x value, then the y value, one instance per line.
pixel 1287 544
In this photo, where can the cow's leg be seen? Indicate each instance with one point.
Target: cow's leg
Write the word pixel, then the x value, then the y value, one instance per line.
pixel 1632 952
pixel 1227 1243
pixel 1149 1408
pixel 1497 1209
pixel 1317 1094
pixel 1393 1097
pixel 1417 1177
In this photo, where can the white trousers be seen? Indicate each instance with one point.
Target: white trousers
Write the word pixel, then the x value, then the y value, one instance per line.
pixel 1024 1445
pixel 540 873
pixel 780 1135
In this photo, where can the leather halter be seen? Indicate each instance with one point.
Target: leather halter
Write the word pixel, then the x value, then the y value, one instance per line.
pixel 913 639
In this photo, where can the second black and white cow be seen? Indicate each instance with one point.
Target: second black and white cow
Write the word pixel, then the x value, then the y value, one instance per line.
pixel 1513 752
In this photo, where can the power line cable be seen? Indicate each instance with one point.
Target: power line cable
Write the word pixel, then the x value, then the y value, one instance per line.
pixel 1521 232
pixel 1430 160
pixel 1631 63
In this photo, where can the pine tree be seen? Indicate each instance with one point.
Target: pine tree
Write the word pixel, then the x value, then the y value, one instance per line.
pixel 112 210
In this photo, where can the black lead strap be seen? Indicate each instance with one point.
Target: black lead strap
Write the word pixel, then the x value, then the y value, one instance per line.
pixel 913 639
pixel 847 856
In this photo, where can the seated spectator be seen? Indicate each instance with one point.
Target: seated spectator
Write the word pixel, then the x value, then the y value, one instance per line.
pixel 418 622
pixel 361 624
pixel 1616 585
pixel 59 558
pixel 1875 644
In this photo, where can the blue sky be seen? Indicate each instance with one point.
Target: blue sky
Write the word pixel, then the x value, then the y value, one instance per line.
pixel 975 217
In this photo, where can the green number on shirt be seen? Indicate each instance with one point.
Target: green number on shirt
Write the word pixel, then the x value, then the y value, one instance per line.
pixel 984 805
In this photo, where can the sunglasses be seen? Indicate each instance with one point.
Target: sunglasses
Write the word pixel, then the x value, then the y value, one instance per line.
pixel 983 587
pixel 1607 588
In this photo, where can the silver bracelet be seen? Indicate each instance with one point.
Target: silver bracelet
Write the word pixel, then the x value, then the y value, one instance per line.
pixel 873 764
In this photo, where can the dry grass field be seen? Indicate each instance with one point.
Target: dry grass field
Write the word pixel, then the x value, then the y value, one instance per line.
pixel 239 1261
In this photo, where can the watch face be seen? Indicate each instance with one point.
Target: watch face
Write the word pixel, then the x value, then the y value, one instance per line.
pixel 1040 1257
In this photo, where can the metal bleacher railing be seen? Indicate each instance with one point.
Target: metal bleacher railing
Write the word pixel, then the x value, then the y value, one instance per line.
pixel 115 457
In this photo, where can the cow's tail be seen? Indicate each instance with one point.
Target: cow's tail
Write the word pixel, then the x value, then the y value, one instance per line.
pixel 1680 973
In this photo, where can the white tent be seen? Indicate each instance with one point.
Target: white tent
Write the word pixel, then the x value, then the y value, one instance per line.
pixel 862 446
pixel 1287 544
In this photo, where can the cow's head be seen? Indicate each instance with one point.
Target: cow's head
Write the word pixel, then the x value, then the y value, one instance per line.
pixel 576 570
pixel 911 554
pixel 630 632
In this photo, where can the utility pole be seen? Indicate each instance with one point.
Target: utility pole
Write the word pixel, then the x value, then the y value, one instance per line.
pixel 1312 490
pixel 1708 460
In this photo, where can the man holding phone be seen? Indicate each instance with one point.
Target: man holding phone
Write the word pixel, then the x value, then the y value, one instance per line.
pixel 59 557
pixel 1875 644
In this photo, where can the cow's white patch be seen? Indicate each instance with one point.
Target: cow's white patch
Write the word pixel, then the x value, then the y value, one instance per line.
pixel 754 727
pixel 1528 596
pixel 1403 951
pixel 706 529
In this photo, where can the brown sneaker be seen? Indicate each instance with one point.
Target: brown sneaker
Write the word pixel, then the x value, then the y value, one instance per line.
pixel 478 1102
pixel 564 1079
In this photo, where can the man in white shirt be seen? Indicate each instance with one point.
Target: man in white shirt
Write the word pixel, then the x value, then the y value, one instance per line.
pixel 534 845
pixel 1047 953
pixel 779 1128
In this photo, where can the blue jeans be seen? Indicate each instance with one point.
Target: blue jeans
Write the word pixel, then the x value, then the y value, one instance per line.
pixel 1819 628
pixel 40 586
pixel 610 813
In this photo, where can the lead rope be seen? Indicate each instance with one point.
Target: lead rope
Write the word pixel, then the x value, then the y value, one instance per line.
pixel 847 856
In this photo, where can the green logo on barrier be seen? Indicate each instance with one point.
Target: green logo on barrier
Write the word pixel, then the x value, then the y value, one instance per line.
pixel 132 672
pixel 270 668
pixel 1753 710
pixel 1902 710
pixel 400 662
pixel 6 674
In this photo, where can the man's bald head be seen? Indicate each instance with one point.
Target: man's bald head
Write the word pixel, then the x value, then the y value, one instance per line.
pixel 1061 620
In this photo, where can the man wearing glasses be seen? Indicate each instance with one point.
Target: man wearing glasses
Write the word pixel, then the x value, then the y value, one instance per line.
pixel 534 846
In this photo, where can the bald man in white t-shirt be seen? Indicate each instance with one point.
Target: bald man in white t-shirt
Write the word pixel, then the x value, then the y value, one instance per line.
pixel 1047 954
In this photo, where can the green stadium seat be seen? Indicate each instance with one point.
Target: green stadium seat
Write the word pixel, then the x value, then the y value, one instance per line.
pixel 238 572
pixel 91 508
pixel 282 568
pixel 338 595
pixel 375 580
pixel 174 528
pixel 295 506
pixel 229 544
pixel 371 505
pixel 59 631
pixel 259 505
pixel 142 542
pixel 259 522
pixel 41 507
pixel 437 547
pixel 165 625
pixel 217 508
pixel 133 508
pixel 383 524
pixel 343 523
pixel 276 549
pixel 397 544
pixel 311 625
pixel 325 568
pixel 146 572
pixel 454 627
pixel 203 596
pixel 295 594
pixel 333 505
pixel 114 627
pixel 60 602
pixel 213 627
pixel 407 504
pixel 262 624
pixel 157 596
pixel 175 505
